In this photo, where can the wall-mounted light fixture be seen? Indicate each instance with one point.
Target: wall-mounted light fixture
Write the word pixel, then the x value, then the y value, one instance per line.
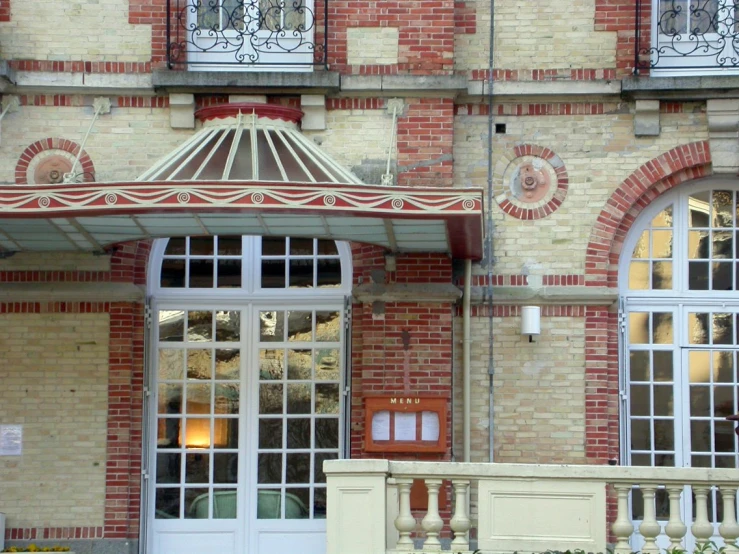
pixel 531 321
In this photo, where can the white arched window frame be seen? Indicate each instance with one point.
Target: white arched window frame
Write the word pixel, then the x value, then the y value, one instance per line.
pixel 679 342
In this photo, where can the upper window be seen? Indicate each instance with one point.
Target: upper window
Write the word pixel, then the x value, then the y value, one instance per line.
pixel 690 245
pixel 238 35
pixel 251 264
pixel 694 36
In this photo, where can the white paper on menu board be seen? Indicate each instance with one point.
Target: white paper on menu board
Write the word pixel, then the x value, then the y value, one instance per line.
pixel 429 426
pixel 11 440
pixel 405 426
pixel 381 426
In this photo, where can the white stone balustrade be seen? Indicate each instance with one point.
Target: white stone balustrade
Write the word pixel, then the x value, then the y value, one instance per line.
pixel 524 508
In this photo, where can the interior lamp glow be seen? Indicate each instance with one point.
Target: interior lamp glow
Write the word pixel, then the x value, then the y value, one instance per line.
pixel 531 321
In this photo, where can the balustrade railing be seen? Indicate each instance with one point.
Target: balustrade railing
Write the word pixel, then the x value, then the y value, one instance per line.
pixel 684 36
pixel 527 508
pixel 234 34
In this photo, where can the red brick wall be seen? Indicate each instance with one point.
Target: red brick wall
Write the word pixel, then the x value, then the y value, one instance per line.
pixel 425 139
pixel 426 34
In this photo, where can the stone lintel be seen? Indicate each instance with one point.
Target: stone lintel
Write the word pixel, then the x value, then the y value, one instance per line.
pixel 546 296
pixel 679 88
pixel 246 82
pixel 405 85
pixel 71 292
pixel 646 118
pixel 407 292
pixel 545 88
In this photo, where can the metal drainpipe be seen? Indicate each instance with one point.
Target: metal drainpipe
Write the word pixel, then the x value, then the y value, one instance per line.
pixel 489 237
pixel 466 343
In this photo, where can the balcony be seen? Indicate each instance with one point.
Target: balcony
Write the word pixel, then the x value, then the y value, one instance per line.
pixel 527 508
pixel 686 37
pixel 247 35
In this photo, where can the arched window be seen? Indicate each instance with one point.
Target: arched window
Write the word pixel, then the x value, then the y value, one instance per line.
pixel 679 282
pixel 247 380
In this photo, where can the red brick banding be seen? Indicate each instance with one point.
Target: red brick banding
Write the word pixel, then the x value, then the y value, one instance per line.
pixel 4 10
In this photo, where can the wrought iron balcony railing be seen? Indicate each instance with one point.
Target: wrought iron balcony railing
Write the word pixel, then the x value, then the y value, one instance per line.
pixel 228 34
pixel 686 36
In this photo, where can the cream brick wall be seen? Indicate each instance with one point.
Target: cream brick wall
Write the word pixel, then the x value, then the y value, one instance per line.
pixel 53 370
pixel 539 400
pixel 355 136
pixel 536 34
pixel 372 45
pixel 122 145
pixel 599 152
pixel 89 30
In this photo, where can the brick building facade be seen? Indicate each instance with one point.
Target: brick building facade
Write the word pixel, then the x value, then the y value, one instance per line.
pixel 600 125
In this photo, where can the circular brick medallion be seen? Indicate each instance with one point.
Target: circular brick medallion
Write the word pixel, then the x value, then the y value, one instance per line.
pixel 46 161
pixel 530 183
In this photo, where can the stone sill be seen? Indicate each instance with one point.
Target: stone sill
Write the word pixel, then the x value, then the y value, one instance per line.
pixel 253 82
pixel 680 88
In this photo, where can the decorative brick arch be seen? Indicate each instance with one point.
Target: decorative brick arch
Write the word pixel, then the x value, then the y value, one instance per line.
pixel 85 163
pixel 638 190
pixel 681 164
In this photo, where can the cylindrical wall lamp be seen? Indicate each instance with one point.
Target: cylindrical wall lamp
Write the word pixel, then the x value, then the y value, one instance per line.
pixel 531 321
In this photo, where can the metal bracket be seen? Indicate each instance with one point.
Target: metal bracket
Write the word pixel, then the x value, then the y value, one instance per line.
pixel 101 105
pixel 11 103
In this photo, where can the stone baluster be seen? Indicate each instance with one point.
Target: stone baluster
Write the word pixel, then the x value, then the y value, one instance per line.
pixel 460 522
pixel 702 529
pixel 405 523
pixel 675 528
pixel 622 528
pixel 432 522
pixel 649 528
pixel 729 528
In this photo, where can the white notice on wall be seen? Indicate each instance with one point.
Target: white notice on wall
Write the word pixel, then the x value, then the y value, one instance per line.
pixel 429 426
pixel 11 440
pixel 381 426
pixel 405 426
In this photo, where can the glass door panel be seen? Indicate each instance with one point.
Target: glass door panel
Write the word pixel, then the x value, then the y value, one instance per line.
pixel 198 387
pixel 299 407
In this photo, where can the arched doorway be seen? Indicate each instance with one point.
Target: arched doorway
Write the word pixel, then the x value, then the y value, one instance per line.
pixel 679 283
pixel 246 391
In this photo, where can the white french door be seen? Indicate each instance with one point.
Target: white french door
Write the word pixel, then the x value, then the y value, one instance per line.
pixel 246 402
pixel 682 373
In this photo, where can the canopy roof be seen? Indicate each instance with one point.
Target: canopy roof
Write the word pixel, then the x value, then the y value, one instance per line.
pixel 247 170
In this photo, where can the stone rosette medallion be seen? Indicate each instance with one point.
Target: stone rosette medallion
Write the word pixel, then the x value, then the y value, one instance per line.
pixel 530 183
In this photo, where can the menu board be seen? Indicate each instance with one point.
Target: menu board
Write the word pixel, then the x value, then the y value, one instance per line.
pixel 405 424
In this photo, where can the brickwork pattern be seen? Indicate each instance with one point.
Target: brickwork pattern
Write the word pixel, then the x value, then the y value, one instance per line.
pixel 683 163
pixel 54 384
pixel 539 389
pixel 599 151
pixel 425 33
pixel 81 30
pixel 129 139
pixel 425 143
pixel 85 165
pixel 533 34
pixel 372 46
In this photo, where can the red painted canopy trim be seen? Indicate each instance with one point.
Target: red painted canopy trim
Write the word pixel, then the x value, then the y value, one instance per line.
pixel 270 111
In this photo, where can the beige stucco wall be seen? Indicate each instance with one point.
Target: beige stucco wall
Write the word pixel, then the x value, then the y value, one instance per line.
pixel 536 34
pixel 87 30
pixel 599 152
pixel 539 398
pixel 54 375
